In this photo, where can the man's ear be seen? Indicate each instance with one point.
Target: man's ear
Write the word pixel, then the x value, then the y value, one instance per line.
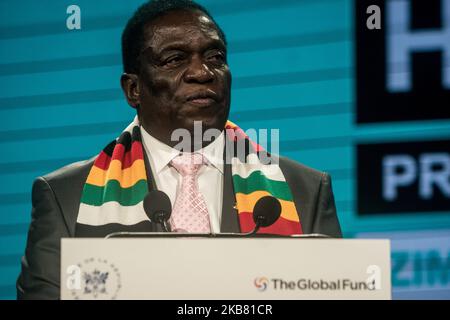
pixel 130 86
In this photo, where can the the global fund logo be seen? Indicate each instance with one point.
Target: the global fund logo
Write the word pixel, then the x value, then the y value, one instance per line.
pixel 261 283
pixel 371 283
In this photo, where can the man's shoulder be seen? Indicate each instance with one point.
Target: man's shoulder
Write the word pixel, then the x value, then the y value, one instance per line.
pixel 298 170
pixel 70 173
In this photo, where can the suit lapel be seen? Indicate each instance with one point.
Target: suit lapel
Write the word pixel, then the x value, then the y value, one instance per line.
pixel 155 227
pixel 230 221
pixel 69 194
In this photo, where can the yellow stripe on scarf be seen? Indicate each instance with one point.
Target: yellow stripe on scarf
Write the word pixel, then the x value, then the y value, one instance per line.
pixel 126 177
pixel 246 203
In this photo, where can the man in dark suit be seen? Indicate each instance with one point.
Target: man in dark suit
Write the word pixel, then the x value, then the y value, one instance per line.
pixel 176 73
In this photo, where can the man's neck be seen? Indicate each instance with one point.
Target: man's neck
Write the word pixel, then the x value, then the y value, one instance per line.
pixel 184 140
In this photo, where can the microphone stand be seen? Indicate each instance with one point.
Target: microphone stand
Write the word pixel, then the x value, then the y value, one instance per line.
pixel 251 234
pixel 161 218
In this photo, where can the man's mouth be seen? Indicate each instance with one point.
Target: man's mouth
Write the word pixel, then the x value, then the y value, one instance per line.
pixel 202 98
pixel 202 102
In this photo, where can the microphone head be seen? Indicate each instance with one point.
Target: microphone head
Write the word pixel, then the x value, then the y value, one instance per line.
pixel 267 210
pixel 157 205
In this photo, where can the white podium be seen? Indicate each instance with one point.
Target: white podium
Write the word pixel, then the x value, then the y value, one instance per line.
pixel 225 268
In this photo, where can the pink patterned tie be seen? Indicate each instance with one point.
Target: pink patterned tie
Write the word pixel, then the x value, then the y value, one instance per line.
pixel 189 213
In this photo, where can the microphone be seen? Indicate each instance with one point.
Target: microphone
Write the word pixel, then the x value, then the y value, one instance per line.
pixel 158 208
pixel 267 210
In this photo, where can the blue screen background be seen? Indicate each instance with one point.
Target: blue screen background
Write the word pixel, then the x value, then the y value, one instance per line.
pixel 293 67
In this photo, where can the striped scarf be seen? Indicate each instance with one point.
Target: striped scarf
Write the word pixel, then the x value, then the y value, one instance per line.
pixel 117 184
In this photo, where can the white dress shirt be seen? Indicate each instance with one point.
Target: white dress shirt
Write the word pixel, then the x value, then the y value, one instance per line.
pixel 210 176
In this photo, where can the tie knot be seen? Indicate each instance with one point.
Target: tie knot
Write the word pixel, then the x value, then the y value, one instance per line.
pixel 188 163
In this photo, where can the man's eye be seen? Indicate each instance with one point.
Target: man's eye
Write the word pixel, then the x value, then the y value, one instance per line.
pixel 173 61
pixel 217 57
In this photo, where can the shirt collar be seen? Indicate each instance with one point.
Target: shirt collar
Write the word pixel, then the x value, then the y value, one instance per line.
pixel 161 154
pixel 213 152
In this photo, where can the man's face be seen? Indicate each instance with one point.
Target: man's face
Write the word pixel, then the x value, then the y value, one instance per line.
pixel 184 75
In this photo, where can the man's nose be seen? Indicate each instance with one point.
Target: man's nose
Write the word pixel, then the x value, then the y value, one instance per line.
pixel 198 71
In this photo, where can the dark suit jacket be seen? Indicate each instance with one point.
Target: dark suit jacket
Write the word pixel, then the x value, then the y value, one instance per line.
pixel 56 199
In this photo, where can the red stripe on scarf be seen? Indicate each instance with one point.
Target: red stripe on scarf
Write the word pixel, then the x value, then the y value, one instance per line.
pixel 127 158
pixel 281 226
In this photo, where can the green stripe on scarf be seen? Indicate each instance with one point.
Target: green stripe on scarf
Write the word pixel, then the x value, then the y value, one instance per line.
pixel 96 196
pixel 257 181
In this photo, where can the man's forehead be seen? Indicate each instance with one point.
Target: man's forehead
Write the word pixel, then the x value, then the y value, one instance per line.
pixel 179 26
